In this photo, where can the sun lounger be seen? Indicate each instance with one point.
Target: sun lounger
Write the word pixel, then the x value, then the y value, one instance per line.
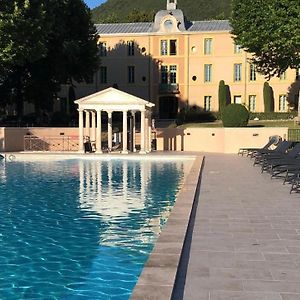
pixel 263 154
pixel 249 151
pixel 288 158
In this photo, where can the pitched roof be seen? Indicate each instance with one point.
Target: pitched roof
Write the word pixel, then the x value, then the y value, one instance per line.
pixel 118 28
pixel 213 25
pixel 123 28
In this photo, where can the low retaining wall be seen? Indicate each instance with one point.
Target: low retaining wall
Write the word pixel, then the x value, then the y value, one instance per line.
pixel 219 140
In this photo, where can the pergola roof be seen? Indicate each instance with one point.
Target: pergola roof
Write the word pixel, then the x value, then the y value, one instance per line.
pixel 112 99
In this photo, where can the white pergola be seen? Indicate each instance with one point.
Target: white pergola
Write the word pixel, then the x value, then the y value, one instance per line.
pixel 112 100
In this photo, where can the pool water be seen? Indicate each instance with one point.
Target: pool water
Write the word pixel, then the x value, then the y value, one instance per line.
pixel 81 229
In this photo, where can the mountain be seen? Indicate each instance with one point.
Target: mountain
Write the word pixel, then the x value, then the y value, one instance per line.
pixel 118 11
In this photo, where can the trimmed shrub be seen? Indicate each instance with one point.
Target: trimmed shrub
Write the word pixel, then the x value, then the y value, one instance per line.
pixel 235 115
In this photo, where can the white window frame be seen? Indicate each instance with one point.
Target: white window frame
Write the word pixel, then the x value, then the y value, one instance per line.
pixel 103 49
pixel 237 99
pixel 252 72
pixel 208 73
pixel 237 48
pixel 130 48
pixel 207 50
pixel 207 103
pixel 131 74
pixel 103 74
pixel 237 72
pixel 252 103
pixel 283 104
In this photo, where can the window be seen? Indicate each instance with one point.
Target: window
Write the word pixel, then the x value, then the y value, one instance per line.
pixel 282 76
pixel 237 99
pixel 168 74
pixel 103 74
pixel 282 103
pixel 164 47
pixel 103 49
pixel 252 103
pixel 173 74
pixel 173 47
pixel 164 74
pixel 237 76
pixel 237 49
pixel 207 103
pixel 130 48
pixel 252 72
pixel 168 47
pixel 207 46
pixel 131 74
pixel 207 73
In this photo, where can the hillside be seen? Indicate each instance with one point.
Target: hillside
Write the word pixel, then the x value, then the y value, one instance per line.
pixel 136 10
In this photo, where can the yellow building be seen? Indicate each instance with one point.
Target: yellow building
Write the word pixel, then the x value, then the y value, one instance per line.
pixel 174 63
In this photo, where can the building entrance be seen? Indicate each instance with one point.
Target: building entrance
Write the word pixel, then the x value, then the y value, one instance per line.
pixel 168 107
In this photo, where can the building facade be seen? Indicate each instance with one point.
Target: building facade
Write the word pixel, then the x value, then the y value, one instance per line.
pixel 176 63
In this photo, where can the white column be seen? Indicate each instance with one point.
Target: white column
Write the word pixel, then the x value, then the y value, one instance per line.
pixel 149 132
pixel 125 150
pixel 87 123
pixel 81 131
pixel 146 134
pixel 109 130
pixel 142 151
pixel 133 131
pixel 99 133
pixel 93 133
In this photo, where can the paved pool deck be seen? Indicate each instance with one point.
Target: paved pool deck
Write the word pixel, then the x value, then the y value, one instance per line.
pixel 244 241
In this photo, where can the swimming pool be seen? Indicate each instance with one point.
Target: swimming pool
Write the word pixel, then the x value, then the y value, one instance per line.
pixel 81 229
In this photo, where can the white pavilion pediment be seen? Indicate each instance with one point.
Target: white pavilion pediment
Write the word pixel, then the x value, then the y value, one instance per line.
pixel 113 97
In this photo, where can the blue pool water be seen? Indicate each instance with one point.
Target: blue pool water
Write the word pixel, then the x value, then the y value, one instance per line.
pixel 81 229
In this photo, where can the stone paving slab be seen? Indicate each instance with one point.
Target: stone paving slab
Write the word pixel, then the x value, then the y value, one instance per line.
pixel 246 236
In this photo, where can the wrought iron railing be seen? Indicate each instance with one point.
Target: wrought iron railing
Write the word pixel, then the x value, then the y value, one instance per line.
pixel 294 135
pixel 171 88
pixel 51 143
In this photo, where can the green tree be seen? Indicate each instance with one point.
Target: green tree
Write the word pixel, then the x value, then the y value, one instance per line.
pixel 140 16
pixel 268 98
pixel 44 44
pixel 269 29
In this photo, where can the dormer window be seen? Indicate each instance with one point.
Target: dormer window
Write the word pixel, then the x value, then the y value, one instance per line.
pixel 168 24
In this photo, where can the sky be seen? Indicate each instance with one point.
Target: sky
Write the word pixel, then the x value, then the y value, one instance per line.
pixel 93 3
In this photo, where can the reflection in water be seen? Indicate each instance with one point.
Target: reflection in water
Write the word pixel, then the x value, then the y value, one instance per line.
pixel 118 192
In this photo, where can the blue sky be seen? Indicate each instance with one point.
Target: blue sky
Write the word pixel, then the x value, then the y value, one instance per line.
pixel 93 3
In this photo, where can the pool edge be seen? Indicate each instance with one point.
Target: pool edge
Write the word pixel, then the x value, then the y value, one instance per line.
pixel 158 278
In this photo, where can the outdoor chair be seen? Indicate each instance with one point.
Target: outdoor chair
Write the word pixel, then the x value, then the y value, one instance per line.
pixel 250 151
pixel 295 187
pixel 261 155
pixel 272 161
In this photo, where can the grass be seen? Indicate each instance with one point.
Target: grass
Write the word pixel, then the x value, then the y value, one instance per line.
pixel 262 123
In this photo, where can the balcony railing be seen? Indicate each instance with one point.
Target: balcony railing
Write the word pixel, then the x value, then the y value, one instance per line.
pixel 169 88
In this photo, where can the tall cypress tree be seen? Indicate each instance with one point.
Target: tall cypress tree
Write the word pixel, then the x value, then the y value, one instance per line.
pixel 268 98
pixel 222 96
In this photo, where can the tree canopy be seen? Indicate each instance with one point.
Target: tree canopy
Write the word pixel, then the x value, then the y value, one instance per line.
pixel 44 43
pixel 269 29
